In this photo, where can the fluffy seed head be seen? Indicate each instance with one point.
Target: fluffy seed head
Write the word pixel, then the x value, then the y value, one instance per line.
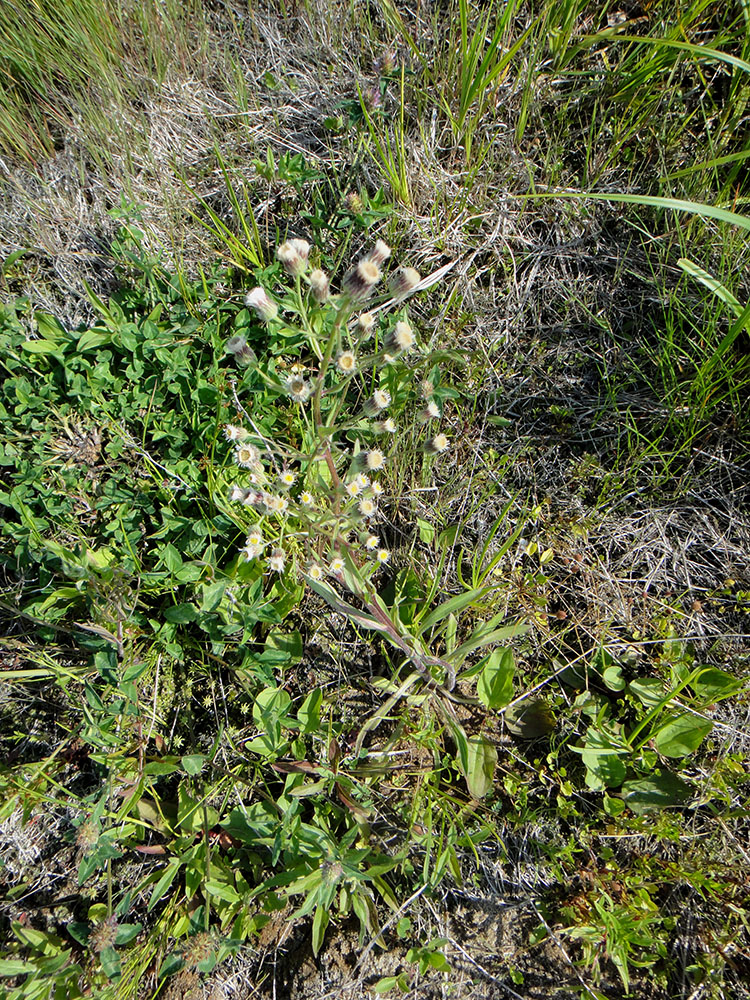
pixel 378 402
pixel 403 282
pixel 430 412
pixel 293 261
pixel 367 508
pixel 366 324
pixel 359 282
pixel 234 433
pixel 375 460
pixel 387 426
pixel 264 307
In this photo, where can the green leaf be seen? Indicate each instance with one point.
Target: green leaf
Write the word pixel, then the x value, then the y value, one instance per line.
pixel 320 922
pixel 167 878
pixel 181 614
pixel 682 735
pixel 126 933
pixel 288 643
pixel 193 763
pixel 426 530
pixel 613 678
pixel 530 719
pixel 648 690
pixel 110 962
pixel 714 685
pixel 481 760
pixel 661 790
pixel 495 684
pixel 602 755
pixel 171 964
pixel 309 712
pixel 222 890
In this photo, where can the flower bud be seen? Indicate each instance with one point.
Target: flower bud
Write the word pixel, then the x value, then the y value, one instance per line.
pixel 359 282
pixel 293 261
pixel 403 282
pixel 243 354
pixel 265 308
pixel 319 285
pixel 379 253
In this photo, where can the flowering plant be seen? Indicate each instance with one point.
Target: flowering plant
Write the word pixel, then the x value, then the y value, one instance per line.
pixel 312 502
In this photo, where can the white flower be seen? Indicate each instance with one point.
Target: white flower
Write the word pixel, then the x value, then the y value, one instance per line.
pixel 299 389
pixel 378 402
pixel 362 481
pixel 254 545
pixel 276 505
pixel 367 508
pixel 377 489
pixel 319 285
pixel 404 281
pixel 293 255
pixel 380 253
pixel 383 555
pixel 336 566
pixel 438 444
pixel 287 478
pixel 353 489
pixel 430 412
pixel 307 499
pixel 234 433
pixel 236 493
pixel 375 459
pixel 276 561
pixel 372 542
pixel 315 572
pixel 346 362
pixel 366 324
pixel 401 338
pixel 247 456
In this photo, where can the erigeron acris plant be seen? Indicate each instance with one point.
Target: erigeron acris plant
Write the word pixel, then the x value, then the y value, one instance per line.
pixel 313 504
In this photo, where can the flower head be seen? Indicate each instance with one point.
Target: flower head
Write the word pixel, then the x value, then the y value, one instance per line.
pixel 315 572
pixel 319 285
pixel 359 282
pixel 438 444
pixel 254 545
pixel 287 478
pixel 366 324
pixel 237 494
pixel 353 489
pixel 247 455
pixel 243 354
pixel 367 508
pixel 377 489
pixel 379 401
pixel 403 282
pixel 293 255
pixel 375 459
pixel 401 338
pixel 234 433
pixel 275 505
pixel 298 388
pixel 387 426
pixel 346 362
pixel 336 566
pixel 265 308
pixel 430 412
pixel 372 542
pixel 277 561
pixel 383 555
pixel 306 499
pixel 379 253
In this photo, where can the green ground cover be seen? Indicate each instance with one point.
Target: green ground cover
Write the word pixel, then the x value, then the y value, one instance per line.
pixel 374 499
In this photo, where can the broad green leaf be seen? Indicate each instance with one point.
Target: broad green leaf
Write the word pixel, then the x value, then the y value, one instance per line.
pixel 682 735
pixel 481 760
pixel 167 878
pixel 222 890
pixel 659 791
pixel 193 763
pixel 714 685
pixel 649 690
pixel 309 712
pixel 530 718
pixel 603 757
pixel 181 614
pixel 495 684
